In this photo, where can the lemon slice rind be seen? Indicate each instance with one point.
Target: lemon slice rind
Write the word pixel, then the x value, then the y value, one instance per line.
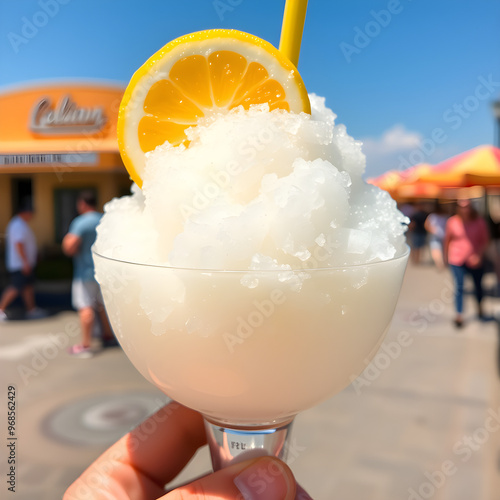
pixel 158 67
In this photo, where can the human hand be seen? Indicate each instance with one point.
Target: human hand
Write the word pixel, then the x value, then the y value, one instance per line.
pixel 474 260
pixel 139 465
pixel 26 269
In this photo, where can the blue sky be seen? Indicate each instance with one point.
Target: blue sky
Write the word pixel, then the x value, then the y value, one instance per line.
pixel 413 79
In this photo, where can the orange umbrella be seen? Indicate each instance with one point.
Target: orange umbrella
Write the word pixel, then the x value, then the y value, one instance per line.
pixel 392 179
pixel 412 185
pixel 478 166
pixel 388 181
pixel 418 190
pixel 407 183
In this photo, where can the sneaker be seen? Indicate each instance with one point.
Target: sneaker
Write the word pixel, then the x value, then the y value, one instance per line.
pixel 36 313
pixel 79 351
pixel 3 316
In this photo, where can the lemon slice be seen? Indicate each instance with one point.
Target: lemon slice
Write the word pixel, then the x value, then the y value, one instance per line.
pixel 197 75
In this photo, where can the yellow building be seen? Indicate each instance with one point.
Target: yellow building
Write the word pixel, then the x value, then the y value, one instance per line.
pixel 56 140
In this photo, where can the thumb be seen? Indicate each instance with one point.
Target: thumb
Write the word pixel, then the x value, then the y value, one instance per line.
pixel 265 478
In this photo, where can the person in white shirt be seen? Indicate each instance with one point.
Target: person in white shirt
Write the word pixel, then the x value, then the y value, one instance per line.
pixel 21 256
pixel 436 228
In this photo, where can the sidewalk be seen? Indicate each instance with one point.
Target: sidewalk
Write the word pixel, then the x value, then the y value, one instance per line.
pixel 421 421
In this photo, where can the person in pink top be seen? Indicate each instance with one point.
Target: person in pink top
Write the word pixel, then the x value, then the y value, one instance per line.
pixel 465 243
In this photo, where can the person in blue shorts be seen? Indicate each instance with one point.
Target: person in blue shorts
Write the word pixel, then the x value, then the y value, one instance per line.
pixel 21 258
pixel 85 291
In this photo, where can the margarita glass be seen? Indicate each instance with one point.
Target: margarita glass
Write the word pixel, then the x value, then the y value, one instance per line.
pixel 250 349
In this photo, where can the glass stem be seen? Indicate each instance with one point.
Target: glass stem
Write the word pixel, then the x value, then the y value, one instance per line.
pixel 229 445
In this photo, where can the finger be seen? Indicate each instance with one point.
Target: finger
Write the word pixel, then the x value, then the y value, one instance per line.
pixel 140 464
pixel 163 444
pixel 265 478
pixel 300 493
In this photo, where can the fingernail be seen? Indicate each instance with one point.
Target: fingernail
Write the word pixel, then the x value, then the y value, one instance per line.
pixel 265 479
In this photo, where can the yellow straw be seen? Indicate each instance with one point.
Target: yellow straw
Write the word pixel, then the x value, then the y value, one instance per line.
pixel 292 28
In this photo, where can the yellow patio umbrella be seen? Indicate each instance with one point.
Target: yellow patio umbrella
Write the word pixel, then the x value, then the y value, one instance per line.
pixel 407 184
pixel 388 181
pixel 425 190
pixel 479 166
pixel 412 185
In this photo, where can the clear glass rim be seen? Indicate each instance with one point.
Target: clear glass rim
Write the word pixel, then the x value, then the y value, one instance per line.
pixel 400 257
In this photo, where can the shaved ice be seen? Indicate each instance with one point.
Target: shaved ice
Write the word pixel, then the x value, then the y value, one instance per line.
pixel 256 190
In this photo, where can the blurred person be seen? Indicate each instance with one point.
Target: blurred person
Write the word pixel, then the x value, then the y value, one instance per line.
pixel 435 224
pixel 138 468
pixel 417 233
pixel 407 209
pixel 493 252
pixel 465 243
pixel 21 258
pixel 85 291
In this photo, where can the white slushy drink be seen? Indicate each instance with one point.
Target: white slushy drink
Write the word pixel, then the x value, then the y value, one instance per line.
pixel 256 272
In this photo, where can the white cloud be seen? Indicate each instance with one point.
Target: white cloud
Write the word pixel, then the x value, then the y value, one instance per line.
pixel 398 149
pixel 383 153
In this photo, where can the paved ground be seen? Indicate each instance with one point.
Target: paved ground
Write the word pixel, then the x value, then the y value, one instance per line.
pixel 420 423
